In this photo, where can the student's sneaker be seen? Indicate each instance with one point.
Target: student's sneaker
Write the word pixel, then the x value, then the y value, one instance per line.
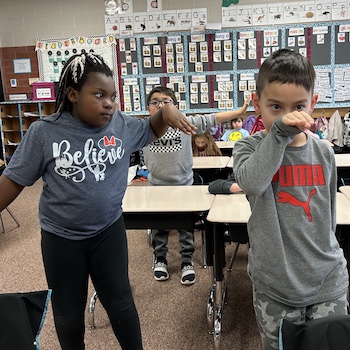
pixel 160 270
pixel 188 274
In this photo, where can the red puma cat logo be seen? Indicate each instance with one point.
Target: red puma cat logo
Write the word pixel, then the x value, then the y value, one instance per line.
pixel 285 197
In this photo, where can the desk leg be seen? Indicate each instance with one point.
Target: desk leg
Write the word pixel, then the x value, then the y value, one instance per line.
pixel 209 252
pixel 220 288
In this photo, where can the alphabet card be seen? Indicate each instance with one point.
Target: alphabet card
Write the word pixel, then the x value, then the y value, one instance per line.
pixel 155 22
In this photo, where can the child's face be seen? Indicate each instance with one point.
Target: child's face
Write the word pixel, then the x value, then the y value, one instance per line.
pixel 201 142
pixel 95 103
pixel 279 99
pixel 237 124
pixel 156 97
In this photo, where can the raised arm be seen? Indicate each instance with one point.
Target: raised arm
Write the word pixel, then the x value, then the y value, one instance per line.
pixel 229 115
pixel 167 116
pixel 9 191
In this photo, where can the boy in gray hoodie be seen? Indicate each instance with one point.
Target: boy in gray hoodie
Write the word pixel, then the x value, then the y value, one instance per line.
pixel 169 163
pixel 296 265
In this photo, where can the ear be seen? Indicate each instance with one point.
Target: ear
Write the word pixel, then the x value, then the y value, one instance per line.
pixel 256 102
pixel 72 95
pixel 313 102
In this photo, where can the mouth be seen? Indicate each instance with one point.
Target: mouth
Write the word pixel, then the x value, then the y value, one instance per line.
pixel 106 115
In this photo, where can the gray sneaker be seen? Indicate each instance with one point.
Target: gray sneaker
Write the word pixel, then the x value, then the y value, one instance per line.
pixel 188 275
pixel 161 271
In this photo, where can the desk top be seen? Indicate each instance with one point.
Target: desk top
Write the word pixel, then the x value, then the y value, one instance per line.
pixel 225 144
pixel 345 190
pixel 343 205
pixel 167 199
pixel 235 209
pixel 210 162
pixel 342 160
pixel 229 208
pixel 230 162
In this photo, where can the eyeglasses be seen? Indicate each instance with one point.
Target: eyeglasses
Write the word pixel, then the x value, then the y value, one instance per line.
pixel 155 103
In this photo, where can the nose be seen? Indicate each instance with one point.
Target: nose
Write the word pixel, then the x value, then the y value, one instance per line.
pixel 109 103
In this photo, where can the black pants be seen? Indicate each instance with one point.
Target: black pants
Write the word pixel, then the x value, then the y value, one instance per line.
pixel 68 265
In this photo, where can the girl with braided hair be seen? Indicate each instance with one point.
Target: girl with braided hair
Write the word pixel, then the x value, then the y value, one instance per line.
pixel 82 154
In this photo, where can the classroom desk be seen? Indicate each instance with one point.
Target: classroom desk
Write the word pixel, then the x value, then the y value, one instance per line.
pixel 234 210
pixel 210 168
pixel 225 144
pixel 226 209
pixel 162 207
pixel 226 147
pixel 210 162
pixel 166 207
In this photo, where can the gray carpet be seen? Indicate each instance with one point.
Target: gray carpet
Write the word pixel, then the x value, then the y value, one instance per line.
pixel 173 316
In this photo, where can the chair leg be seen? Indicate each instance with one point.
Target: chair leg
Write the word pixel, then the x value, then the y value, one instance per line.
pixel 91 311
pixel 13 217
pixel 2 224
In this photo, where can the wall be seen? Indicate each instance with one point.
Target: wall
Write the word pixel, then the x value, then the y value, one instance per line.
pixel 24 21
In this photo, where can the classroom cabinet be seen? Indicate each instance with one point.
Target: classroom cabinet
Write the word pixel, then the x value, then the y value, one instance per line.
pixel 16 118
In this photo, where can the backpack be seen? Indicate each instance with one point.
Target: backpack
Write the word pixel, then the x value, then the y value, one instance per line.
pixel 258 125
pixel 322 127
pixel 249 122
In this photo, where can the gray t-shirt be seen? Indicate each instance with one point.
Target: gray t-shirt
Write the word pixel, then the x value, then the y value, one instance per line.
pixel 84 170
pixel 294 256
pixel 169 160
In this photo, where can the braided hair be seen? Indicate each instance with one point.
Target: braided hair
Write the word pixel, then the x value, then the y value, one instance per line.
pixel 75 74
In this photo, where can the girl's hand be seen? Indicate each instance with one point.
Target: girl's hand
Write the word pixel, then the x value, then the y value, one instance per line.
pixel 243 109
pixel 300 120
pixel 174 118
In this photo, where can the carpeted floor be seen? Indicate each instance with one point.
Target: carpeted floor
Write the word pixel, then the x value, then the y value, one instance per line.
pixel 173 316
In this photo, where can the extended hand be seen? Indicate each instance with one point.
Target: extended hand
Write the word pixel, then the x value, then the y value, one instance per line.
pixel 174 118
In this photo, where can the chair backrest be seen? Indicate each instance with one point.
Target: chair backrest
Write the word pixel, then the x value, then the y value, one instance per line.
pixel 327 333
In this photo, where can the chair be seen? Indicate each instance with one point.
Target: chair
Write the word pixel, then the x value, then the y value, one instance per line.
pixel 91 310
pixel 21 319
pixel 327 333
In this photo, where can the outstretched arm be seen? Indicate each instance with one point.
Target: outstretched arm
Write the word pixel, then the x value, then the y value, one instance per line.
pixel 229 115
pixel 9 191
pixel 167 116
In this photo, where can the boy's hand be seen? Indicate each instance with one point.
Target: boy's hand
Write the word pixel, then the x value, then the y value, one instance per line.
pixel 300 120
pixel 174 118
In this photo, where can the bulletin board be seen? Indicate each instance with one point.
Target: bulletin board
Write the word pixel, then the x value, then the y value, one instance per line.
pixel 342 43
pixel 209 70
pixel 53 53
pixel 214 70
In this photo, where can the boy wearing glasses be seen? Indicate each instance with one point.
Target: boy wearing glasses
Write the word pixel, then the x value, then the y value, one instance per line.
pixel 169 163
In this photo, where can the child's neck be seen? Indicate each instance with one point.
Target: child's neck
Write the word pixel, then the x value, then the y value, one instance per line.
pixel 299 140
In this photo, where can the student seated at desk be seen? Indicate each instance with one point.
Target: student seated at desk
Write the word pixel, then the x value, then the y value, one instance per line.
pixel 204 145
pixel 237 132
pixel 169 162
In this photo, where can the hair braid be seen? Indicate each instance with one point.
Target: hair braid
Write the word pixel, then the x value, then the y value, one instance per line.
pixel 75 74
